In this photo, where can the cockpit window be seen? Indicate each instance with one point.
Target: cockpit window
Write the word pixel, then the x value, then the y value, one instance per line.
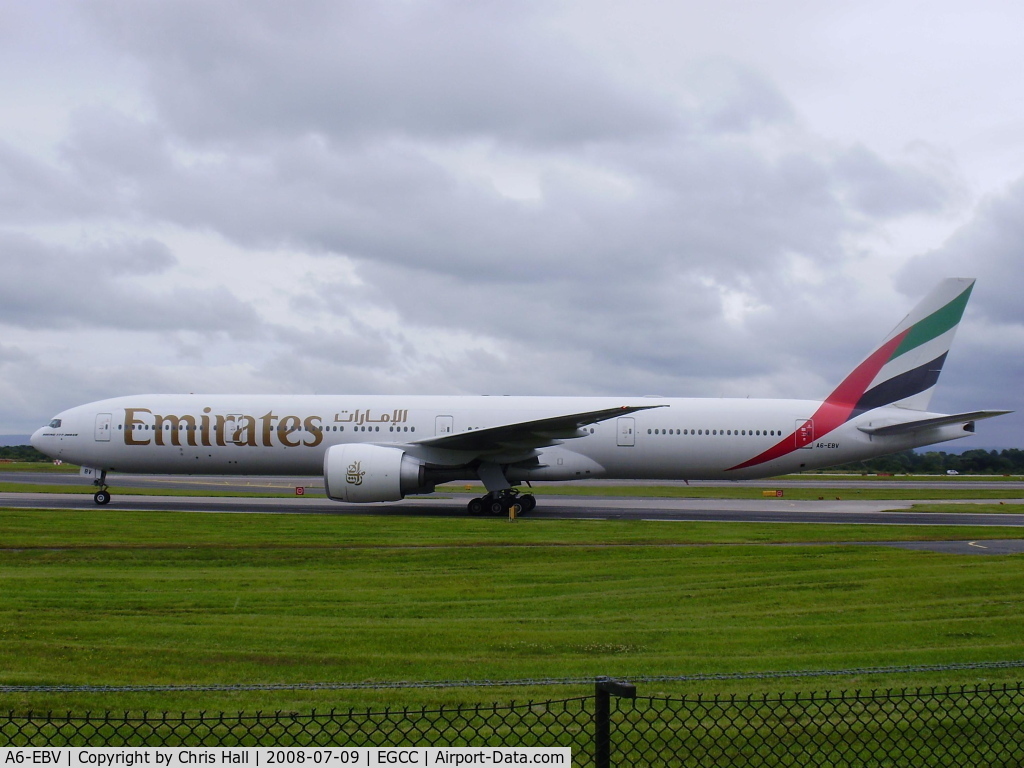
pixel 55 424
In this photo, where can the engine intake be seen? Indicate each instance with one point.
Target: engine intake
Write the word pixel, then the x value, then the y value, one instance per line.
pixel 365 473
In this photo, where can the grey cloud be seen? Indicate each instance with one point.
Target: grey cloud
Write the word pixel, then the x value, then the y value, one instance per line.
pixel 394 205
pixel 884 189
pixel 286 92
pixel 991 248
pixel 108 149
pixel 11 355
pixel 628 335
pixel 352 69
pixel 137 257
pixel 578 270
pixel 33 191
pixel 730 98
pixel 48 286
pixel 362 346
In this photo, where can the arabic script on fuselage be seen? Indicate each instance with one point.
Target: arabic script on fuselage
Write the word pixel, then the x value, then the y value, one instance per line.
pixel 144 427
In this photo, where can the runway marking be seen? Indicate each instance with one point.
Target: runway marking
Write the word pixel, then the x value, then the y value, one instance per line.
pixel 975 544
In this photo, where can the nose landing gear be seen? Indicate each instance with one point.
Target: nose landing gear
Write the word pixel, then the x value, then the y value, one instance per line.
pixel 102 496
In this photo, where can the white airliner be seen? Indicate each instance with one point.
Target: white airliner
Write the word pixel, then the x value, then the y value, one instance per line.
pixel 380 448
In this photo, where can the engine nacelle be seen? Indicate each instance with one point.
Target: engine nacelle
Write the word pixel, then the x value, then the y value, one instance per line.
pixel 363 473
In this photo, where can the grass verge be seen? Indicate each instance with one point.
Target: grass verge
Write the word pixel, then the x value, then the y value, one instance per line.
pixel 976 508
pixel 38 466
pixel 122 491
pixel 749 492
pixel 176 598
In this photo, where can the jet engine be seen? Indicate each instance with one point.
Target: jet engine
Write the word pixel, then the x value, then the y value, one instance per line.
pixel 363 473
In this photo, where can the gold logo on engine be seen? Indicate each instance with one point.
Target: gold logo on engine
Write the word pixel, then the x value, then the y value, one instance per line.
pixel 354 474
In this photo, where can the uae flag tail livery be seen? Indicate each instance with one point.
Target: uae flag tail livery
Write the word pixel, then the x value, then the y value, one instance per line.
pixel 901 372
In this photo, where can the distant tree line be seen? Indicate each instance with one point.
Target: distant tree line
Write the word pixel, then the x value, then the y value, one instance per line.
pixel 22 453
pixel 1009 461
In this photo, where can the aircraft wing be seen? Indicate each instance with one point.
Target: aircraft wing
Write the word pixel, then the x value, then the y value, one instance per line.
pixel 526 435
pixel 936 421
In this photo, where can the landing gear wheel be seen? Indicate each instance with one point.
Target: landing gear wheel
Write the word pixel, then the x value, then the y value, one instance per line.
pixel 497 506
pixel 527 501
pixel 102 495
pixel 475 507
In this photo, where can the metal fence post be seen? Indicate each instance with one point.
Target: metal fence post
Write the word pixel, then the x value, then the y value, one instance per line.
pixel 604 689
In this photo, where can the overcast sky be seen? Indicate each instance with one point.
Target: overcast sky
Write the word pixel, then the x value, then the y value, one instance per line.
pixel 688 199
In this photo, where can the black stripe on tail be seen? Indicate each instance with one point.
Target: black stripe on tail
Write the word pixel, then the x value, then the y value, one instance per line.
pixel 901 387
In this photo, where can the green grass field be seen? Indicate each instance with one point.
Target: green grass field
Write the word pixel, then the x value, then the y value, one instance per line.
pixel 113 597
pixel 38 466
pixel 90 489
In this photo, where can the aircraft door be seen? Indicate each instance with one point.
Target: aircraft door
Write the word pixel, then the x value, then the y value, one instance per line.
pixel 103 427
pixel 626 430
pixel 444 425
pixel 804 433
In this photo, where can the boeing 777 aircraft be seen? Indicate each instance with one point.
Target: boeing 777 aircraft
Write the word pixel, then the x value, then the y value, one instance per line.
pixel 380 448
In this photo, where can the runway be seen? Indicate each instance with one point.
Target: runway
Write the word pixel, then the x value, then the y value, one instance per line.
pixel 315 484
pixel 549 508
pixel 558 507
pixel 552 507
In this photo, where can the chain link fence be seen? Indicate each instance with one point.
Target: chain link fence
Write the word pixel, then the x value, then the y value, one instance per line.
pixel 963 726
pixel 976 726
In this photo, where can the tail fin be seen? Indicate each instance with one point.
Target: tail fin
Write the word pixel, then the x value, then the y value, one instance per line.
pixel 903 370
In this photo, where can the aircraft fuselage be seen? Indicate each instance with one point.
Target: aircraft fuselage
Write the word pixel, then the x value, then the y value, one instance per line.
pixel 676 439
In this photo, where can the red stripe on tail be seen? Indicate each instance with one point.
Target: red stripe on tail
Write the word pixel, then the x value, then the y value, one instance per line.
pixel 837 407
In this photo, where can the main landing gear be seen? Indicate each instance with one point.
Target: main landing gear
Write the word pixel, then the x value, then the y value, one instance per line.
pixel 102 496
pixel 500 502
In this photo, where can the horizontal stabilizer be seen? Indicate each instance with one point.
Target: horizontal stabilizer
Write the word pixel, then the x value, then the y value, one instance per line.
pixel 937 421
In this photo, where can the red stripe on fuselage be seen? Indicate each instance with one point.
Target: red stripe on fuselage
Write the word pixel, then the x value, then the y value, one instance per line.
pixel 837 407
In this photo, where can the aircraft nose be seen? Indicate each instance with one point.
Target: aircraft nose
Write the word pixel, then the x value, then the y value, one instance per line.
pixel 36 439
